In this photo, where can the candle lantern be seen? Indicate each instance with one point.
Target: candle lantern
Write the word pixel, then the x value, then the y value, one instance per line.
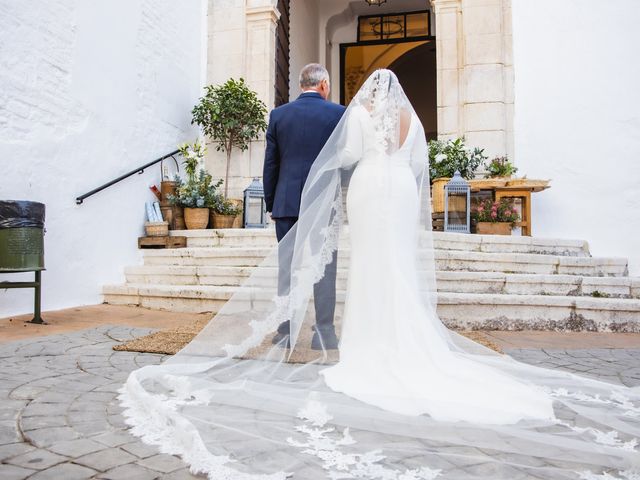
pixel 254 213
pixel 457 205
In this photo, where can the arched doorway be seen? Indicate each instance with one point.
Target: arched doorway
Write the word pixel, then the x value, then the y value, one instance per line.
pixel 402 43
pixel 416 71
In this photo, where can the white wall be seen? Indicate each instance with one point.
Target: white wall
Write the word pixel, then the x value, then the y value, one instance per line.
pixel 303 39
pixel 577 119
pixel 88 91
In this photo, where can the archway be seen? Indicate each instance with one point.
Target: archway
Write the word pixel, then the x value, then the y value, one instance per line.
pixel 416 71
pixel 409 50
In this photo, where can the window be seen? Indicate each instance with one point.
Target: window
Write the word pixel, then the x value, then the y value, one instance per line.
pixel 393 26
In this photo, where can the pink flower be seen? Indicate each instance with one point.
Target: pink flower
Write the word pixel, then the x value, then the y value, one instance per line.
pixel 494 214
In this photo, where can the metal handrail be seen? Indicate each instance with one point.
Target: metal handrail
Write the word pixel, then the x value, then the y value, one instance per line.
pixel 138 170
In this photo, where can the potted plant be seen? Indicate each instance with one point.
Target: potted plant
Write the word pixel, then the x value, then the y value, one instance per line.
pixel 445 157
pixel 500 167
pixel 494 218
pixel 231 115
pixel 194 193
pixel 224 212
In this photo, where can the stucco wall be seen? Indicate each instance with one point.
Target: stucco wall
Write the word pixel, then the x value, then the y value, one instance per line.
pixel 88 91
pixel 304 40
pixel 577 119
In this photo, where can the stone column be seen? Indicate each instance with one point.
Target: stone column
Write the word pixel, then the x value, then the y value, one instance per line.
pixel 242 44
pixel 262 19
pixel 449 66
pixel 475 73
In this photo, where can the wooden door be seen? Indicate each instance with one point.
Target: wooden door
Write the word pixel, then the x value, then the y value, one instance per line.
pixel 282 54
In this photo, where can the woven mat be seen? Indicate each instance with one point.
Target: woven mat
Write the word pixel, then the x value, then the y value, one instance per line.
pixel 171 340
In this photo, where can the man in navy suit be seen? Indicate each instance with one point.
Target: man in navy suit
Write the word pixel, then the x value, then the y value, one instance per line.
pixel 297 132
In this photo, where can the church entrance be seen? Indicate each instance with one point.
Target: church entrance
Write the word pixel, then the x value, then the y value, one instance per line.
pixel 402 43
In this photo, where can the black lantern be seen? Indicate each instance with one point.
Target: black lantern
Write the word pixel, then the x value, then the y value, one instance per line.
pixel 254 214
pixel 457 205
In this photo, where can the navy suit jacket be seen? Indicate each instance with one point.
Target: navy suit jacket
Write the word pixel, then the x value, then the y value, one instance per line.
pixel 297 132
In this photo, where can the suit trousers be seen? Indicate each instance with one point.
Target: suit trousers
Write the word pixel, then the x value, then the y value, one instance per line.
pixel 324 291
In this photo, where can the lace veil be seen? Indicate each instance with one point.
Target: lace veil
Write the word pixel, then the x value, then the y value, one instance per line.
pixel 234 406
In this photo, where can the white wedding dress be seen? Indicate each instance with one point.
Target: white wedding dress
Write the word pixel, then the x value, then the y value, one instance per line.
pixel 404 398
pixel 391 352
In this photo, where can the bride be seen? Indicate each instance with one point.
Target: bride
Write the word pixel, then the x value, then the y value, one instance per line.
pixel 404 398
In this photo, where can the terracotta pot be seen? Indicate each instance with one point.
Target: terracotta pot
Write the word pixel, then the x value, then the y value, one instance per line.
pixel 493 228
pixel 196 218
pixel 222 221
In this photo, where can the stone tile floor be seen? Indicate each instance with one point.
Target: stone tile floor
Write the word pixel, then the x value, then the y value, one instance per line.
pixel 59 418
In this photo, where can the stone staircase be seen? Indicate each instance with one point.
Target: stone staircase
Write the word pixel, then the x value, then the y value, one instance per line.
pixel 484 281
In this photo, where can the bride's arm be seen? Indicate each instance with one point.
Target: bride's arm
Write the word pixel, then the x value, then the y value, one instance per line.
pixel 350 146
pixel 419 151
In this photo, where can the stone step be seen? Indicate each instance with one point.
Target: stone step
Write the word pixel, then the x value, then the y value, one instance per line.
pixel 447 281
pixel 457 310
pixel 446 241
pixel 452 260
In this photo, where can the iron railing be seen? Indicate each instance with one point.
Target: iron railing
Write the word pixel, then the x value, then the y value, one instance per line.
pixel 138 170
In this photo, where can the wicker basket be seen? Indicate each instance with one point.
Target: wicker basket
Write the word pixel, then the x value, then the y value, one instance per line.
pixel 222 221
pixel 156 229
pixel 437 194
pixel 196 218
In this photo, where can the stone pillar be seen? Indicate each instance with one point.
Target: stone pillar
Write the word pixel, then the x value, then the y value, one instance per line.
pixel 449 66
pixel 225 40
pixel 260 57
pixel 242 44
pixel 475 73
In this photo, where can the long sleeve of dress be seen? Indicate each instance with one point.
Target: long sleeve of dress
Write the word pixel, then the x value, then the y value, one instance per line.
pixel 351 143
pixel 419 151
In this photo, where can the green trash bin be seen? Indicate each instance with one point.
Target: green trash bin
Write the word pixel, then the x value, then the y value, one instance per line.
pixel 22 244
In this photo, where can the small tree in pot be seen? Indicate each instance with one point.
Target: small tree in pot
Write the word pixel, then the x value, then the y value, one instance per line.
pixel 232 116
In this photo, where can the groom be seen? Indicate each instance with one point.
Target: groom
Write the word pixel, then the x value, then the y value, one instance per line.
pixel 297 132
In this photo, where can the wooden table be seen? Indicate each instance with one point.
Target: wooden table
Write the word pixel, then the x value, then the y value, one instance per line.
pixel 521 188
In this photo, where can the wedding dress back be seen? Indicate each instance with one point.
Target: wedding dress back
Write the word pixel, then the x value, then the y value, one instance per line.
pixel 404 398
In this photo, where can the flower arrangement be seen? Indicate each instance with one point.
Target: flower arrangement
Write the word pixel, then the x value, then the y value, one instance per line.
pixel 223 206
pixel 500 167
pixel 445 157
pixel 490 211
pixel 197 190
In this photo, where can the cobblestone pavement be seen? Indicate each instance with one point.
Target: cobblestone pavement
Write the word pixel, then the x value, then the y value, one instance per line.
pixel 59 418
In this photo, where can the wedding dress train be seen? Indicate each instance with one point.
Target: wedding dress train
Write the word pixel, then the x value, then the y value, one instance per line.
pixel 404 398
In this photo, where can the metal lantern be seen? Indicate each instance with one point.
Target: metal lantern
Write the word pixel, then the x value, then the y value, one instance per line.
pixel 457 205
pixel 371 3
pixel 254 213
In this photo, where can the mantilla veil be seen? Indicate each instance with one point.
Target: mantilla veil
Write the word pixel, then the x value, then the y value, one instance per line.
pixel 235 407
